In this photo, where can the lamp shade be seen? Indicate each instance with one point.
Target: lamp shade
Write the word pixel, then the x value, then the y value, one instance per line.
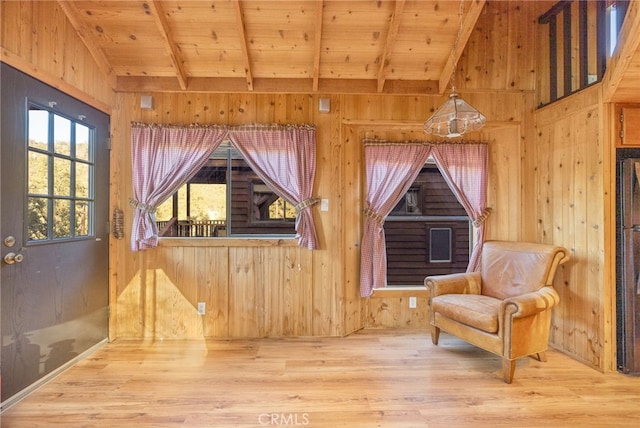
pixel 454 118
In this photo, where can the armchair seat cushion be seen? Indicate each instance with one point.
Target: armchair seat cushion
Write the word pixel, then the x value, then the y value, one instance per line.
pixel 474 310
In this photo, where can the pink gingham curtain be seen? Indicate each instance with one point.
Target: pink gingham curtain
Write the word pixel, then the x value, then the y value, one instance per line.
pixel 284 157
pixel 465 169
pixel 390 171
pixel 164 157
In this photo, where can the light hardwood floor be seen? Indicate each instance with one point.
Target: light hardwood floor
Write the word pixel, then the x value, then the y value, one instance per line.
pixel 373 378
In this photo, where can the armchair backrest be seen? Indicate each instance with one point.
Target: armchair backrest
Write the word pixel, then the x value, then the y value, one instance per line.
pixel 510 268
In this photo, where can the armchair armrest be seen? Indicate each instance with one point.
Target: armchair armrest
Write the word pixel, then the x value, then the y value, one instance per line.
pixel 455 283
pixel 531 303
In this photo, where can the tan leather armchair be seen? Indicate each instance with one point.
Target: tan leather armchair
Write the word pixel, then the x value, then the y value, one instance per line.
pixel 505 308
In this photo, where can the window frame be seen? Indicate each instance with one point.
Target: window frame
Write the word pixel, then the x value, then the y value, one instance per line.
pixel 231 155
pixel 50 196
pixel 425 220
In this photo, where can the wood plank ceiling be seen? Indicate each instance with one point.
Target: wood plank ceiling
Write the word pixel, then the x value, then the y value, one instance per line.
pixel 331 46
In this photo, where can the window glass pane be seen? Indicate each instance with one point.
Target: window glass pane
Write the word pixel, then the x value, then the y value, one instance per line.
pixel 440 244
pixel 61 218
pixel 82 180
pixel 208 201
pixel 37 217
pixel 165 210
pixel 38 128
pixel 82 218
pixel 61 170
pixel 61 135
pixel 82 142
pixel 203 205
pixel 281 210
pixel 61 177
pixel 38 173
pixel 182 203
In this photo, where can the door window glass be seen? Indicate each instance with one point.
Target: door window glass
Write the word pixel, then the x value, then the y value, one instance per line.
pixel 60 196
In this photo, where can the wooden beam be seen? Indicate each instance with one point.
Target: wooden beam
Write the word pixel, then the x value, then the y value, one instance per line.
pixel 391 40
pixel 276 85
pixel 468 25
pixel 155 8
pixel 318 44
pixel 243 45
pixel 85 34
pixel 628 45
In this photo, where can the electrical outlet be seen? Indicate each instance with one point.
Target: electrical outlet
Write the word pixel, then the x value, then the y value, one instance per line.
pixel 413 302
pixel 201 308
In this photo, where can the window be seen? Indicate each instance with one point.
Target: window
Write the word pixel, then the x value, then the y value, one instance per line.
pixel 60 196
pixel 580 36
pixel 440 244
pixel 427 233
pixel 225 198
pixel 269 207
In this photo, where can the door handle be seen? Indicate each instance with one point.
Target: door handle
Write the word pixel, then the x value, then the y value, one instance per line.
pixel 11 258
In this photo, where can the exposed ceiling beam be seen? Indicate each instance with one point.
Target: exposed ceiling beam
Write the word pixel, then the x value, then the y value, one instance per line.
pixel 276 85
pixel 468 25
pixel 318 44
pixel 155 8
pixel 84 33
pixel 628 44
pixel 243 45
pixel 391 40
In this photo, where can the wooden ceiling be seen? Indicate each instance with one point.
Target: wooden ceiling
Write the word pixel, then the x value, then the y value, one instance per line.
pixel 361 46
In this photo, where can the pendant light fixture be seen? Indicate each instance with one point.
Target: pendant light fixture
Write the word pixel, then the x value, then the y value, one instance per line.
pixel 455 117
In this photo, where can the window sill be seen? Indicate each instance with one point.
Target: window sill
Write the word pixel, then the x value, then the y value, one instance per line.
pixel 390 291
pixel 227 242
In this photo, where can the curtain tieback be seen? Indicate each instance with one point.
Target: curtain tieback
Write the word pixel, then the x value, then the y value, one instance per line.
pixel 306 204
pixel 482 218
pixel 142 207
pixel 374 216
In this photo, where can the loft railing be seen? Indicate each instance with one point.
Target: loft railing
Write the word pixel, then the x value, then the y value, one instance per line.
pixel 580 36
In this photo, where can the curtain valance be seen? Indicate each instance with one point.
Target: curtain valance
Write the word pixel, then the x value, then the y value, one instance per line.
pixel 380 142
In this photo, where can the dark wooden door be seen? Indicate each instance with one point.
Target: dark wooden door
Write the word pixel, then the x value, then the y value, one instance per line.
pixel 54 191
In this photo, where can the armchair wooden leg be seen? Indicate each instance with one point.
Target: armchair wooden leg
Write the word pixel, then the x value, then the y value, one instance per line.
pixel 508 368
pixel 435 334
pixel 542 356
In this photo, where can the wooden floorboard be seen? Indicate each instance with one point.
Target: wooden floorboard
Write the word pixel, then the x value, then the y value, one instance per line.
pixel 374 378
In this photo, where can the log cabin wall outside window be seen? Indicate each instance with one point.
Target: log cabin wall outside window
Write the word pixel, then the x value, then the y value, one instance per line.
pixel 427 224
pixel 580 36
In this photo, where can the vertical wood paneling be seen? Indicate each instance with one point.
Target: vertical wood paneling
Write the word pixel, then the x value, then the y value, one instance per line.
pixel 352 189
pixel 394 312
pixel 327 299
pixel 499 51
pixel 504 191
pixel 571 213
pixel 246 292
pixel 214 291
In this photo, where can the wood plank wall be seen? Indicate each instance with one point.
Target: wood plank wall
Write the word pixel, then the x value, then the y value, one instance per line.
pixel 37 39
pixel 573 180
pixel 548 175
pixel 272 287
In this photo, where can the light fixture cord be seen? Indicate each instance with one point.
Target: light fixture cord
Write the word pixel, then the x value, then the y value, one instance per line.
pixel 455 46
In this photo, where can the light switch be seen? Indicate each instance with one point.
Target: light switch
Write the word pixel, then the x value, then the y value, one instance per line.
pixel 324 204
